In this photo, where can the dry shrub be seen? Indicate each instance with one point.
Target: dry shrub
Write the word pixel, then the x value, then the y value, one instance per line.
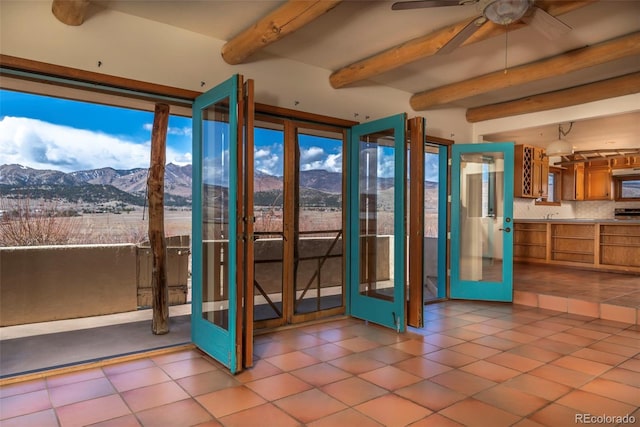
pixel 24 225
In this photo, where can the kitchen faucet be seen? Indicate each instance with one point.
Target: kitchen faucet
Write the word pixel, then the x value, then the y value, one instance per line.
pixel 550 215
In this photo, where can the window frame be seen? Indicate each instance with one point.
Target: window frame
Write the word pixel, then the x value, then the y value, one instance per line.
pixel 617 187
pixel 557 188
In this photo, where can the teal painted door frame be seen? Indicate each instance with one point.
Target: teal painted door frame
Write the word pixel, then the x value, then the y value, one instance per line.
pixel 484 222
pixel 218 342
pixel 388 312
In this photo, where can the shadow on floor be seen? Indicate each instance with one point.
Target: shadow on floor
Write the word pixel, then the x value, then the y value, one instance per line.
pixel 30 354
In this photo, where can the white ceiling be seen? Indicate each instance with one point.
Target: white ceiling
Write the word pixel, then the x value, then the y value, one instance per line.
pixel 611 132
pixel 357 29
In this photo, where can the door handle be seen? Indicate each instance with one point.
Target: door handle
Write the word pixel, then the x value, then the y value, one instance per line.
pixel 506 230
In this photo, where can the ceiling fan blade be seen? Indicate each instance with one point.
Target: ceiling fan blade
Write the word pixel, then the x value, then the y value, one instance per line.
pixel 548 25
pixel 405 5
pixel 462 35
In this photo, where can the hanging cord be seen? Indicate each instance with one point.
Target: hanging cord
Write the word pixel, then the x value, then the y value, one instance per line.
pixel 562 131
pixel 506 46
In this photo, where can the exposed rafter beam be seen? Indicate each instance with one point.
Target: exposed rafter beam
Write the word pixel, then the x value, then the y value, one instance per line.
pixel 430 44
pixel 288 18
pixel 610 88
pixel 574 60
pixel 70 12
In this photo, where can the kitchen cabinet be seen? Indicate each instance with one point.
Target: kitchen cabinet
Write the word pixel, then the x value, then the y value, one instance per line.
pixel 620 245
pixel 531 172
pixel 530 240
pixel 606 245
pixel 573 242
pixel 598 183
pixel 625 162
pixel 573 182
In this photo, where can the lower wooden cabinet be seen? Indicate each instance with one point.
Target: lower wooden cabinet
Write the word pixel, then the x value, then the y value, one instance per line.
pixel 573 242
pixel 530 240
pixel 620 245
pixel 610 246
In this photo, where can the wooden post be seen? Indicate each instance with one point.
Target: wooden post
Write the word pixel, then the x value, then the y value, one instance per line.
pixel 155 189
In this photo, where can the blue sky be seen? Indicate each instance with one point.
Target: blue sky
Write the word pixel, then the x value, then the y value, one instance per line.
pixel 50 133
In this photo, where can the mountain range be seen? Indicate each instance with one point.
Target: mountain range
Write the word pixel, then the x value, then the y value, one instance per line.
pixel 318 187
pixel 94 186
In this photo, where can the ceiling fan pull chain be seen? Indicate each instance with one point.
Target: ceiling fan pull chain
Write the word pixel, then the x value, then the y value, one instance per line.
pixel 506 46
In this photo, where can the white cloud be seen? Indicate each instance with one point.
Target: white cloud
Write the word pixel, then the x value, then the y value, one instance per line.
pixel 182 159
pixel 179 131
pixel 316 158
pixel 267 161
pixel 386 162
pixel 184 131
pixel 42 145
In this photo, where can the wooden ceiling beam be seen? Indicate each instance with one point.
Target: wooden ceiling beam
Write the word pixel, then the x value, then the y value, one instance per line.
pixel 605 89
pixel 283 21
pixel 430 44
pixel 568 62
pixel 70 12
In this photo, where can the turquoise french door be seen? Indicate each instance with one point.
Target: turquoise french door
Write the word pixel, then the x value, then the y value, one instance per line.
pixel 377 222
pixel 214 326
pixel 482 222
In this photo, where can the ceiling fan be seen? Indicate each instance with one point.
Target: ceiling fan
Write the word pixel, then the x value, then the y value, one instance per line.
pixel 501 12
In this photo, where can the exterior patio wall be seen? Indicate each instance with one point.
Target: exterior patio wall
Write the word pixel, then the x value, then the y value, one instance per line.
pixel 178 251
pixel 45 283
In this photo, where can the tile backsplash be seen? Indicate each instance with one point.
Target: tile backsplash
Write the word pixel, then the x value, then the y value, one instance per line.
pixel 601 209
pixel 527 209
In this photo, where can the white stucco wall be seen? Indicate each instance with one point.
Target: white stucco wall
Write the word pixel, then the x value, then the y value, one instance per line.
pixel 606 107
pixel 140 49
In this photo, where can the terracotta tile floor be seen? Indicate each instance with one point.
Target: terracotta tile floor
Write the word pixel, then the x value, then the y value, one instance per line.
pixel 611 296
pixel 474 364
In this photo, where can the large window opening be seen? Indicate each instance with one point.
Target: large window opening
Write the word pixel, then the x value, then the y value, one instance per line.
pixel 299 217
pixel 85 165
pixel 73 177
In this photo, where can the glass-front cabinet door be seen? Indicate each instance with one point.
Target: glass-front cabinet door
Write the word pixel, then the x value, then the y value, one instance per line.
pixel 482 222
pixel 377 221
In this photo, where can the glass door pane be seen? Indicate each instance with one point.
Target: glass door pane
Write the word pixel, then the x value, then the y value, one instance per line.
pixel 318 252
pixel 215 214
pixel 376 195
pixel 377 264
pixel 269 226
pixel 434 212
pixel 482 221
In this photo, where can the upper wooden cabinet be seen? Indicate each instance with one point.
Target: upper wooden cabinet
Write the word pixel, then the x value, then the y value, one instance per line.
pixel 625 162
pixel 573 182
pixel 531 172
pixel 598 183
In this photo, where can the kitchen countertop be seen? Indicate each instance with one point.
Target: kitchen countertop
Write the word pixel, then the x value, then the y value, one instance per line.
pixel 581 221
